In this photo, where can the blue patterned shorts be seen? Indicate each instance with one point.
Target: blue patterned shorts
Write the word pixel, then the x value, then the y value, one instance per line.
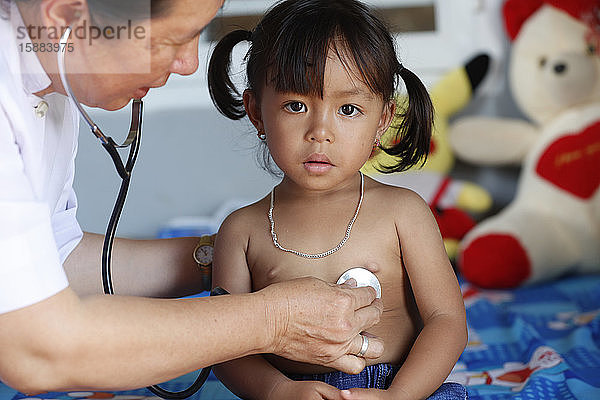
pixel 378 376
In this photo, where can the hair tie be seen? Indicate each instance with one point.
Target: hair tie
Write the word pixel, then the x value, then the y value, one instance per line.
pixel 400 68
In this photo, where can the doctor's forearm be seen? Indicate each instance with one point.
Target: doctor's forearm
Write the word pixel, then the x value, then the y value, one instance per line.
pixel 151 268
pixel 126 342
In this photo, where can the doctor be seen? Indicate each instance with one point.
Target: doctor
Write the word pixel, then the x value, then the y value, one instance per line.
pixel 56 331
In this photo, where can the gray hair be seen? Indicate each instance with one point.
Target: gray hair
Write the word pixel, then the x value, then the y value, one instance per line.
pixel 136 9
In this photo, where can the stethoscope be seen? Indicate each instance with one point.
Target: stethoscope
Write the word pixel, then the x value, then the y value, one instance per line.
pixel 362 276
pixel 124 169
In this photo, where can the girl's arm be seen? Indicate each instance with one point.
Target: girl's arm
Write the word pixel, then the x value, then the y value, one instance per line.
pixel 252 377
pixel 438 298
pixel 440 304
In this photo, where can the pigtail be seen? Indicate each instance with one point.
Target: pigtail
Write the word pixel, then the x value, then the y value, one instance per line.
pixel 411 143
pixel 223 92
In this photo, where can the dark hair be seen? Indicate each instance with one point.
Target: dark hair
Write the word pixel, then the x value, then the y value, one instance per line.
pixel 288 50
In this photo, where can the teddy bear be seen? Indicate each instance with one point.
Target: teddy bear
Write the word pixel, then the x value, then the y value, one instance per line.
pixel 450 200
pixel 552 225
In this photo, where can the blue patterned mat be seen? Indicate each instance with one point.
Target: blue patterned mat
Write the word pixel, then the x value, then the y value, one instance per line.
pixel 540 342
pixel 212 390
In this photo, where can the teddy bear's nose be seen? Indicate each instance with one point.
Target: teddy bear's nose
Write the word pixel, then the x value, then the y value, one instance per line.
pixel 560 68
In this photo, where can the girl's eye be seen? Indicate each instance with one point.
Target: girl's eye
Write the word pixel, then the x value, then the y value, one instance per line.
pixel 295 107
pixel 348 110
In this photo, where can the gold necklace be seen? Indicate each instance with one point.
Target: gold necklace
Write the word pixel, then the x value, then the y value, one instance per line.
pixel 330 251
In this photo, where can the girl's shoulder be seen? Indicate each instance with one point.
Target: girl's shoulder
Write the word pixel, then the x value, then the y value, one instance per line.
pixel 390 195
pixel 402 205
pixel 247 216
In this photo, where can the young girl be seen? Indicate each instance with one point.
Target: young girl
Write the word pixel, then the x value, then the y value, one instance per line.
pixel 322 75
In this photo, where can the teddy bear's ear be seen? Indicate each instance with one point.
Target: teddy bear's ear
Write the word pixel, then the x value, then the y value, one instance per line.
pixel 516 12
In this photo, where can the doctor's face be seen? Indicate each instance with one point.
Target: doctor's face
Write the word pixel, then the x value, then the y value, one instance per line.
pixel 109 73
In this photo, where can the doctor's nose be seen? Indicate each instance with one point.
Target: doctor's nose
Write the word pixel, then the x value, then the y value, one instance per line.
pixel 186 61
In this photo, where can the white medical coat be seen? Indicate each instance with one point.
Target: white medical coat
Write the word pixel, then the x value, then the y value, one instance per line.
pixel 38 228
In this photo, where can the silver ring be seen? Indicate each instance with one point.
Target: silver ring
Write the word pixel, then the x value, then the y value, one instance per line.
pixel 364 347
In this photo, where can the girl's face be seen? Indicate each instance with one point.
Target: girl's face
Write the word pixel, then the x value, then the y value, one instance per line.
pixel 320 143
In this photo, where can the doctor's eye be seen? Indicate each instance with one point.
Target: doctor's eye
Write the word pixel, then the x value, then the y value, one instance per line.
pixel 295 107
pixel 348 110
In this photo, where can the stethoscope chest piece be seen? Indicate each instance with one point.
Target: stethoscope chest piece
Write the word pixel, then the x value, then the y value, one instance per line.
pixel 363 277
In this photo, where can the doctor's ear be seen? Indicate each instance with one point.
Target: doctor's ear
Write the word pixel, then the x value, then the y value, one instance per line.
pixel 252 106
pixel 62 13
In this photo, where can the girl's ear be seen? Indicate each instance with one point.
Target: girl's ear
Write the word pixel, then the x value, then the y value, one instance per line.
pixel 387 116
pixel 253 109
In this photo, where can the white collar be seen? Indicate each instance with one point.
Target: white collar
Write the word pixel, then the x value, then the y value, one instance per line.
pixel 35 78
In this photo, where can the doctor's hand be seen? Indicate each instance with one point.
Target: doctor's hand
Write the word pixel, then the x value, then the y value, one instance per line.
pixel 320 323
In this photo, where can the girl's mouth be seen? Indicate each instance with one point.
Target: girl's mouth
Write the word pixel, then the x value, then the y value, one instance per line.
pixel 317 163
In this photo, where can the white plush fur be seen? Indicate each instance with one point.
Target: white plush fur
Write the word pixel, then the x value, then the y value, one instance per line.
pixel 559 230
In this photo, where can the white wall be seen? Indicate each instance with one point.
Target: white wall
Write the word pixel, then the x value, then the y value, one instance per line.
pixel 190 162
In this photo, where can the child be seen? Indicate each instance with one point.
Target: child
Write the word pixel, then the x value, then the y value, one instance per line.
pixel 322 75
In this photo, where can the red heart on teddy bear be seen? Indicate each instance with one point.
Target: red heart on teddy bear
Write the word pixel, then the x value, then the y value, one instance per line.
pixel 573 162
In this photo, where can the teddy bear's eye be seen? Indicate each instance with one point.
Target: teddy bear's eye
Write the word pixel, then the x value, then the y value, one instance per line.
pixel 543 62
pixel 591 49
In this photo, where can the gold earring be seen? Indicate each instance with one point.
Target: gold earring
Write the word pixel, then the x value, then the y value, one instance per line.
pixel 261 135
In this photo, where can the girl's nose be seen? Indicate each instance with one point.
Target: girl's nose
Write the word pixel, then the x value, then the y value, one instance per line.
pixel 320 132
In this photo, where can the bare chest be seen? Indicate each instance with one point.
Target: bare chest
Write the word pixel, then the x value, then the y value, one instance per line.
pixel 372 244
